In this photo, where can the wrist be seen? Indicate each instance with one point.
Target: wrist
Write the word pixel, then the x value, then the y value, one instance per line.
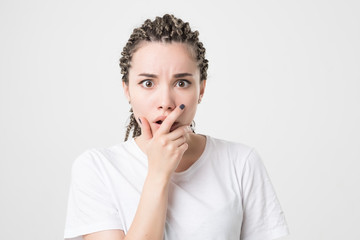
pixel 158 180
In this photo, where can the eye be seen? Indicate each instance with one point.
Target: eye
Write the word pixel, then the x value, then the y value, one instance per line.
pixel 147 83
pixel 183 83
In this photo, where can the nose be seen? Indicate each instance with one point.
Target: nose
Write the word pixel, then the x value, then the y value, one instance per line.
pixel 166 99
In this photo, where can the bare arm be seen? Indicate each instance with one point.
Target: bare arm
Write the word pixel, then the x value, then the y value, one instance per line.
pixel 164 150
pixel 113 234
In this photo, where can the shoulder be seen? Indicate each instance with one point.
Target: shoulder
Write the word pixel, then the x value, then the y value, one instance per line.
pixel 231 148
pixel 239 155
pixel 96 159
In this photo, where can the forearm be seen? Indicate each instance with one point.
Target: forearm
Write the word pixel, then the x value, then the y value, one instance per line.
pixel 149 220
pixel 164 151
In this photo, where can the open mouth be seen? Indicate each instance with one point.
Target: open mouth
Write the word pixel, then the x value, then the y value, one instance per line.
pixel 173 127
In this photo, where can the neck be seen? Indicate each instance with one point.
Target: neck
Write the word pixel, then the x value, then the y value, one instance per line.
pixel 196 147
pixel 194 141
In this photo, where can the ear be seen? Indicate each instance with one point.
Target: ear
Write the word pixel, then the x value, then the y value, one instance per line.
pixel 202 88
pixel 126 91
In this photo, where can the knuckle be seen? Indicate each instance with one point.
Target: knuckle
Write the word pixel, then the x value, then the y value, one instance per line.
pixel 187 129
pixel 171 148
pixel 163 142
pixel 177 153
pixel 184 130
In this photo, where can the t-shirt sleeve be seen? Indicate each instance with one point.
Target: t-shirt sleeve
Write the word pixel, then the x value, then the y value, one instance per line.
pixel 90 204
pixel 263 218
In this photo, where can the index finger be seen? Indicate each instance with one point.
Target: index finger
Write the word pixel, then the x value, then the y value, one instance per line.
pixel 169 121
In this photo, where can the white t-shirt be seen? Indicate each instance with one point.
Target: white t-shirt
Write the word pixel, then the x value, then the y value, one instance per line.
pixel 225 195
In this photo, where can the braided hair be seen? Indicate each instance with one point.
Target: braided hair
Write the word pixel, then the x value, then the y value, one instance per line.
pixel 163 29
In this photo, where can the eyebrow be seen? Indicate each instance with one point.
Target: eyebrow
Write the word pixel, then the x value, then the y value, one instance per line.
pixel 178 75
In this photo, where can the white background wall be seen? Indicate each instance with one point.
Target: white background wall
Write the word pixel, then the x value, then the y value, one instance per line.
pixel 284 77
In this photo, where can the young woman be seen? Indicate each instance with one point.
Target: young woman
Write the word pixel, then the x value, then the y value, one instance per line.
pixel 167 182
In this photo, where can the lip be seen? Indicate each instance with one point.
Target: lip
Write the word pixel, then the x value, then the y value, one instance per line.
pixel 162 118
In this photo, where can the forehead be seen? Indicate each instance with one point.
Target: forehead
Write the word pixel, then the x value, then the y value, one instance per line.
pixel 160 57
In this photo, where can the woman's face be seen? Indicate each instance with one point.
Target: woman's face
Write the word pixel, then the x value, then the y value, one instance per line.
pixel 162 77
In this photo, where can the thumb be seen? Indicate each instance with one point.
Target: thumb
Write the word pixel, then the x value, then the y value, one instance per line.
pixel 145 128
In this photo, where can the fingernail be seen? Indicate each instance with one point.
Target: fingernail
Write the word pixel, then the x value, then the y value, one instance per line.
pixel 140 120
pixel 182 106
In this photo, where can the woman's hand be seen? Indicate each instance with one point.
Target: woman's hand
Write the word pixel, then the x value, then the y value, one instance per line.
pixel 164 149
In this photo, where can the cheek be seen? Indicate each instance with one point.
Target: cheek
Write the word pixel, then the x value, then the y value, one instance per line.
pixel 141 107
pixel 190 98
